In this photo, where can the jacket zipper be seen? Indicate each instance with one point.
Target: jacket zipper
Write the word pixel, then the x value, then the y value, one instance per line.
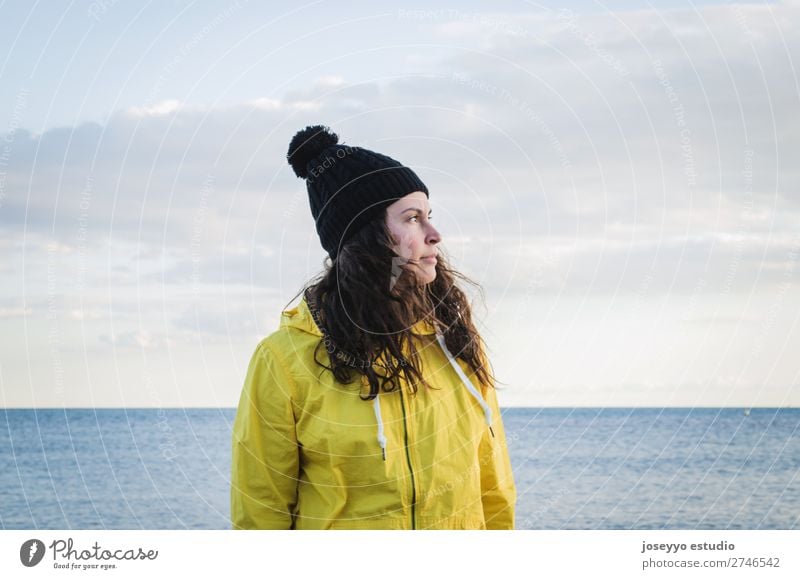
pixel 410 468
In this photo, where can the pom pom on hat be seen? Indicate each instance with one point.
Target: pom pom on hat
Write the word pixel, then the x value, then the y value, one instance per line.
pixel 307 144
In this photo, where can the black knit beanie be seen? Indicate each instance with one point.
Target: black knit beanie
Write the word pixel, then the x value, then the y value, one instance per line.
pixel 347 186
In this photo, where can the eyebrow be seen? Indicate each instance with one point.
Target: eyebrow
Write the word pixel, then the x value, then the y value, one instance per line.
pixel 417 209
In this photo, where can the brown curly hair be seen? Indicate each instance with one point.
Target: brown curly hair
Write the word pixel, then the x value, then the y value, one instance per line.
pixel 366 312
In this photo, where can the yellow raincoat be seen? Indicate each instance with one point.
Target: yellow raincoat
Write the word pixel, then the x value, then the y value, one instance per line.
pixel 308 453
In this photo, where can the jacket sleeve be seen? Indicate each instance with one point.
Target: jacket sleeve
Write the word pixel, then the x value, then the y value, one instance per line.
pixel 498 492
pixel 265 459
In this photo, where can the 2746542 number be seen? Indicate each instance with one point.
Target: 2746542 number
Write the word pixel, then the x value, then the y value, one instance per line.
pixel 755 562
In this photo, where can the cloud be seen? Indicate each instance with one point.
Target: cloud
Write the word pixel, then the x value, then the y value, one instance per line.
pixel 15 312
pixel 159 109
pixel 631 135
pixel 137 339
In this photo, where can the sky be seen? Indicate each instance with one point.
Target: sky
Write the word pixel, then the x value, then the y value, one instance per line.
pixel 621 180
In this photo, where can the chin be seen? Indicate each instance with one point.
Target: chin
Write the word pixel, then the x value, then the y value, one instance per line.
pixel 427 277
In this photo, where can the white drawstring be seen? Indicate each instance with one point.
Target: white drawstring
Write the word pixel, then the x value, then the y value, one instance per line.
pixel 376 405
pixel 487 411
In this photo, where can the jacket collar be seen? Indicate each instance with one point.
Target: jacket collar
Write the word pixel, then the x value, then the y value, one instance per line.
pixel 300 317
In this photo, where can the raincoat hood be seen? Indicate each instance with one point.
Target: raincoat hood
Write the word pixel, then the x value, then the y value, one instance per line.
pixel 300 318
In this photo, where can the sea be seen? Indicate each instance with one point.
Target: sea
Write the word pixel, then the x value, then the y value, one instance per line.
pixel 574 468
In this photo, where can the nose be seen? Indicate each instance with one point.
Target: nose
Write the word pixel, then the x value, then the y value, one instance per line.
pixel 433 237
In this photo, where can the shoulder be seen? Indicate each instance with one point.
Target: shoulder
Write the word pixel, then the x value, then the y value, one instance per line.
pixel 292 349
pixel 289 340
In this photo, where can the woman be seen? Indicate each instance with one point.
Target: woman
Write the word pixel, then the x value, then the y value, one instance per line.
pixel 372 406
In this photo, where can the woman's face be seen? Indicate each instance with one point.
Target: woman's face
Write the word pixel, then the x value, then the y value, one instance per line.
pixel 408 219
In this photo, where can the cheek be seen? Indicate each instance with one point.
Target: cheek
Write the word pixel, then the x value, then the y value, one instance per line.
pixel 410 241
pixel 406 244
pixel 415 246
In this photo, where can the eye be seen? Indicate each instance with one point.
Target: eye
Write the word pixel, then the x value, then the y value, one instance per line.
pixel 430 217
